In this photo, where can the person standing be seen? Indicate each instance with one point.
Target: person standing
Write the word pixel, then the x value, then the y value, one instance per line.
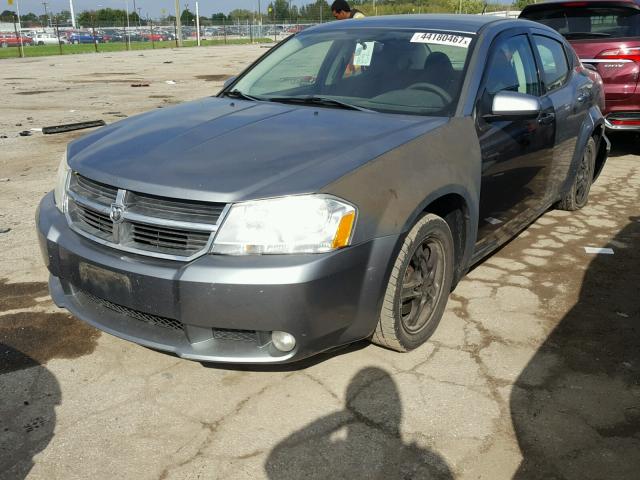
pixel 341 10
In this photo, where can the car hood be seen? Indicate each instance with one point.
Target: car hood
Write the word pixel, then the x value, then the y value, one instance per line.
pixel 226 150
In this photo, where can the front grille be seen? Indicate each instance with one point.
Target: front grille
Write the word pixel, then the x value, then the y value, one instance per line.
pixel 171 209
pixel 149 224
pixel 92 220
pixel 171 240
pixel 92 190
pixel 135 314
pixel 235 335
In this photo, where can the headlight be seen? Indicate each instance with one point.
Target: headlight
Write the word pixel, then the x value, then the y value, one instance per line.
pixel 296 224
pixel 60 191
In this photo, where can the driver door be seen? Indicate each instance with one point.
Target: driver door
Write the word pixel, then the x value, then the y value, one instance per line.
pixel 516 152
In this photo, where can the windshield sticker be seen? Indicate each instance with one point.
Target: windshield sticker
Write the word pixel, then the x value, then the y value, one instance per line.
pixel 363 54
pixel 442 39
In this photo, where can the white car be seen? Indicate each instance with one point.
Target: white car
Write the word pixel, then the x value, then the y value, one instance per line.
pixel 47 39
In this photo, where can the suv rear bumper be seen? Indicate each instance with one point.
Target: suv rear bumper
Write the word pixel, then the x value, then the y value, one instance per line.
pixel 623 120
pixel 217 308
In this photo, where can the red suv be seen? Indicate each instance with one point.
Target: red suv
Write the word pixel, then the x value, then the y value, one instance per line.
pixel 605 35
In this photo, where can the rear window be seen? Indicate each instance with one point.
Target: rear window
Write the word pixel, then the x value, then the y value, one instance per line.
pixel 583 21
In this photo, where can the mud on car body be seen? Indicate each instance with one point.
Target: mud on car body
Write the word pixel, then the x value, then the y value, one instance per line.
pixel 337 190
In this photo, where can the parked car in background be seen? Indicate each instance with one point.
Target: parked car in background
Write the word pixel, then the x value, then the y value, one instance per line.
pixel 360 168
pixel 11 40
pixel 152 37
pixel 48 39
pixel 606 35
pixel 83 37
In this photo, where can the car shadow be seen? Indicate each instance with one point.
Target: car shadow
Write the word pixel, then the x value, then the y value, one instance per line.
pixel 624 143
pixel 576 406
pixel 29 393
pixel 362 441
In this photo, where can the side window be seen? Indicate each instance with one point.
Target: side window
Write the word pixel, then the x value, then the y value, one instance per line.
pixel 555 68
pixel 512 67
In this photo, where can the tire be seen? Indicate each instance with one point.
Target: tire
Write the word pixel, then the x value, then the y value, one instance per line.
pixel 406 322
pixel 578 195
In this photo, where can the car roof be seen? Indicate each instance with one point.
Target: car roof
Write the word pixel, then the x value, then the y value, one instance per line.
pixel 451 22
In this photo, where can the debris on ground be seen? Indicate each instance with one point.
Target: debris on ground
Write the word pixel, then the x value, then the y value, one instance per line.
pixel 35 129
pixel 4 230
pixel 142 84
pixel 72 126
pixel 3 136
pixel 2 180
pixel 168 61
pixel 170 82
pixel 26 133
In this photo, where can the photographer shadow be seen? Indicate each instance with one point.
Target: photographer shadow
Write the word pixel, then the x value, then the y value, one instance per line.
pixel 363 441
pixel 29 393
pixel 576 405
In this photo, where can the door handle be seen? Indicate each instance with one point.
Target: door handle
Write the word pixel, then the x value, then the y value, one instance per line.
pixel 546 118
pixel 583 97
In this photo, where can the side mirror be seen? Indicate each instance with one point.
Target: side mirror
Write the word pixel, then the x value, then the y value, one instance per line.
pixel 515 105
pixel 229 81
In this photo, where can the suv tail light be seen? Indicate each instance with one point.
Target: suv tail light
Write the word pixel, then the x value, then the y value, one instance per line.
pixel 623 53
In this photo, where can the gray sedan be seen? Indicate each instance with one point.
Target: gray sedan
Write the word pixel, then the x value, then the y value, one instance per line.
pixel 337 190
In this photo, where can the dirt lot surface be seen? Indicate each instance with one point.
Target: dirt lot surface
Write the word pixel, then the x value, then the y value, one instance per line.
pixel 533 373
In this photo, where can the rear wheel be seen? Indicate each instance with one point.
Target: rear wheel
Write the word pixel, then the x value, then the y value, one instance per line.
pixel 418 287
pixel 578 195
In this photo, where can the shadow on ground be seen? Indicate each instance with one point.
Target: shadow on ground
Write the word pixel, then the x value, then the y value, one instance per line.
pixel 363 441
pixel 624 143
pixel 576 406
pixel 29 394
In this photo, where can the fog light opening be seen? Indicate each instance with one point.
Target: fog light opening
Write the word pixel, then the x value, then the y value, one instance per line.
pixel 283 341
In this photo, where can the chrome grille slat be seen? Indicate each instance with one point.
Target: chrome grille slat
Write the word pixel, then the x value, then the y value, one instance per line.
pixel 148 224
pixel 169 209
pixel 93 190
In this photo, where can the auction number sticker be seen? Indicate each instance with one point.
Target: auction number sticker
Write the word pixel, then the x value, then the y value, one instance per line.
pixel 441 39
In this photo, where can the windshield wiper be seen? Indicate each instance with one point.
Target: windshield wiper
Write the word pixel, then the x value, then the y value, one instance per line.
pixel 321 101
pixel 585 34
pixel 241 95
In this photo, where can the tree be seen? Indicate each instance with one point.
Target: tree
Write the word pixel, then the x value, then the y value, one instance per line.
pixel 281 8
pixel 187 18
pixel 218 17
pixel 240 14
pixel 520 4
pixel 7 16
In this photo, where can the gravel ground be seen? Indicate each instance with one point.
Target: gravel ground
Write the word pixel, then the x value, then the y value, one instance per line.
pixel 533 373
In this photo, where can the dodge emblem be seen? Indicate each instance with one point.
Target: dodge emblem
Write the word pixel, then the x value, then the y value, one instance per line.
pixel 117 213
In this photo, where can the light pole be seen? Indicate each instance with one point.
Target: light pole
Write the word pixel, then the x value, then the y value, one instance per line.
pixel 128 26
pixel 178 24
pixel 73 15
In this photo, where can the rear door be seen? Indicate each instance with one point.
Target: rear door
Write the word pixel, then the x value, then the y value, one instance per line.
pixel 571 94
pixel 604 34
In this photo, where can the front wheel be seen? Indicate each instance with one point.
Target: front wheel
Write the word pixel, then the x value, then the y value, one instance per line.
pixel 578 194
pixel 418 287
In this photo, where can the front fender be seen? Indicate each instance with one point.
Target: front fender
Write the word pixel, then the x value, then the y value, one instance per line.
pixel 395 188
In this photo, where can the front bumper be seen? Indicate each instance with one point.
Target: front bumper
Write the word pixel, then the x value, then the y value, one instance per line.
pixel 217 308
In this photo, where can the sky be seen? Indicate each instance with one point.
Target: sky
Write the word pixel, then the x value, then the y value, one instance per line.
pixel 151 7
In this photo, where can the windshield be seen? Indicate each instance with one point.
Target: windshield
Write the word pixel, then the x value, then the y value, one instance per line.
pixel 391 71
pixel 589 22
